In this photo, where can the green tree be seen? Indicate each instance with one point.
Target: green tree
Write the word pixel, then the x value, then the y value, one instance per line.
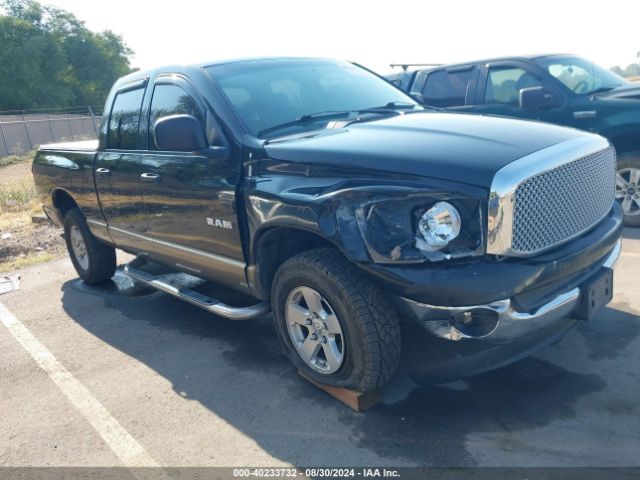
pixel 50 59
pixel 632 70
pixel 617 70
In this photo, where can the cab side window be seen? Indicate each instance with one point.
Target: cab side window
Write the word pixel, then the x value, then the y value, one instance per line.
pixel 447 88
pixel 122 133
pixel 171 100
pixel 504 85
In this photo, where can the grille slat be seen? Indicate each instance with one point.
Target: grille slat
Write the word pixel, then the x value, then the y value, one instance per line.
pixel 559 204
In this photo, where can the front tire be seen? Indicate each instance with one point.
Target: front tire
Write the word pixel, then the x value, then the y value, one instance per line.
pixel 94 261
pixel 337 327
pixel 628 187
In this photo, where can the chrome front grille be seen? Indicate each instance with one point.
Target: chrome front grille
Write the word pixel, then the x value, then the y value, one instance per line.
pixel 561 203
pixel 550 196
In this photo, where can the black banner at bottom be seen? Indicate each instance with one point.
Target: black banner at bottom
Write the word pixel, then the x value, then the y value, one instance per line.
pixel 285 473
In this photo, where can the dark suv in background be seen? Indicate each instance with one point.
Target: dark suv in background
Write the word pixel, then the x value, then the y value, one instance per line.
pixel 563 89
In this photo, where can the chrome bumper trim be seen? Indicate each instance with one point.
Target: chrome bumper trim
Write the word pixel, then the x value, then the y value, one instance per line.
pixel 511 324
pixel 613 256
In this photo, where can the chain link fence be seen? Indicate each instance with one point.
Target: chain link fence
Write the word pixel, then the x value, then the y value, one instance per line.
pixel 21 132
pixel 15 174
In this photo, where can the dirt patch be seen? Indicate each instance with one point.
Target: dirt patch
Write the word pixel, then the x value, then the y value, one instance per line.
pixel 23 242
pixel 29 244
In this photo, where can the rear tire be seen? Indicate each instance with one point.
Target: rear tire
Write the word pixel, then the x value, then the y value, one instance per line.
pixel 357 344
pixel 628 181
pixel 94 261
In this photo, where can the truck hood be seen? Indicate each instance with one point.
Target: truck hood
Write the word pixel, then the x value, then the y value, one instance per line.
pixel 455 147
pixel 627 92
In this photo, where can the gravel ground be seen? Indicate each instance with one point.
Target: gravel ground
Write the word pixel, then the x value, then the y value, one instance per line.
pixel 31 240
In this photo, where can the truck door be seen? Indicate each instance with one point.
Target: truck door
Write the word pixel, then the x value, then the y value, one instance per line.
pixel 498 93
pixel 190 197
pixel 118 169
pixel 571 74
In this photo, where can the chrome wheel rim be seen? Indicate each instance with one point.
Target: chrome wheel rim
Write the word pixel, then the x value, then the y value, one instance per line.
pixel 315 330
pixel 628 190
pixel 79 248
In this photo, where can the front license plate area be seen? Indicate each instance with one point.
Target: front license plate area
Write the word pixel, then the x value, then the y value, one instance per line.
pixel 595 294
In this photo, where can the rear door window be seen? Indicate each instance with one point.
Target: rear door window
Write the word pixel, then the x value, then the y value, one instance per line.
pixel 122 133
pixel 447 88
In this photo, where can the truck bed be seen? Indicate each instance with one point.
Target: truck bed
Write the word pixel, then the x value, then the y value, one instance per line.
pixel 65 170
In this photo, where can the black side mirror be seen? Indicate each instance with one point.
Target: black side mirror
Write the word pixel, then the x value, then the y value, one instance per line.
pixel 535 98
pixel 182 133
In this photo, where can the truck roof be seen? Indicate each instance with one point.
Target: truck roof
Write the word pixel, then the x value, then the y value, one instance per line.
pixel 142 74
pixel 496 59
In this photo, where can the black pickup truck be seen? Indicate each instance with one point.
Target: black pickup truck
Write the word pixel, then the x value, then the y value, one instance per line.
pixel 562 89
pixel 318 190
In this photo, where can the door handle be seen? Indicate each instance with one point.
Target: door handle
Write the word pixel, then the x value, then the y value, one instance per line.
pixel 150 178
pixel 103 171
pixel 585 114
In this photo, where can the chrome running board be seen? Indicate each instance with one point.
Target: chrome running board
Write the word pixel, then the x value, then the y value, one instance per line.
pixel 198 299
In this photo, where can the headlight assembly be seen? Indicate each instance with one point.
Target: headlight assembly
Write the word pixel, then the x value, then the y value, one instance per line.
pixel 418 228
pixel 439 225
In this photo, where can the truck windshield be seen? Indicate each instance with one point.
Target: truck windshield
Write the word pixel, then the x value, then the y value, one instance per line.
pixel 278 93
pixel 579 75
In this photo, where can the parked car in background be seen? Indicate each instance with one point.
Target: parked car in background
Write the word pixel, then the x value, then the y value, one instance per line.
pixel 315 189
pixel 563 89
pixel 401 79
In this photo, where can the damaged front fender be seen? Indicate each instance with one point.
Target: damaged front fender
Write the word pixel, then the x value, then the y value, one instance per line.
pixel 369 220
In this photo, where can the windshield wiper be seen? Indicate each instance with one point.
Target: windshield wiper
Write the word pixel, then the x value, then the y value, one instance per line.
pixel 391 108
pixel 309 117
pixel 396 106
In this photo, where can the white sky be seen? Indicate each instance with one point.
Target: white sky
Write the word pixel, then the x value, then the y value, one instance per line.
pixel 373 33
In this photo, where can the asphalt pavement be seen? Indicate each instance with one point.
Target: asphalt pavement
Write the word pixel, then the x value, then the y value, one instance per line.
pixel 119 375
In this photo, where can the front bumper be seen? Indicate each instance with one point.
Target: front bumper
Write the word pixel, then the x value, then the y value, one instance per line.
pixel 503 323
pixel 529 282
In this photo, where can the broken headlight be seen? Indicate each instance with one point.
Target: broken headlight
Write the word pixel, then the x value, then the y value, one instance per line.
pixel 438 226
pixel 416 229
